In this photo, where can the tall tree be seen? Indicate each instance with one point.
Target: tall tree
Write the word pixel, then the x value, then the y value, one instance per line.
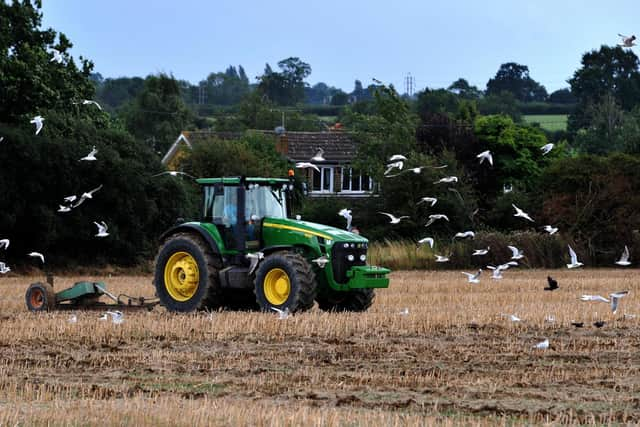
pixel 514 78
pixel 463 89
pixel 287 86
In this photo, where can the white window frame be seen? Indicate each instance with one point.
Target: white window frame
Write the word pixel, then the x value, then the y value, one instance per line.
pixel 350 190
pixel 322 182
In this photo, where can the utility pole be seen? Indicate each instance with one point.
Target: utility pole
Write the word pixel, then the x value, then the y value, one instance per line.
pixel 409 84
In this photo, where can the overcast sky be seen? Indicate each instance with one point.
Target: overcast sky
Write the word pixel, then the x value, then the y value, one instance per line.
pixel 436 41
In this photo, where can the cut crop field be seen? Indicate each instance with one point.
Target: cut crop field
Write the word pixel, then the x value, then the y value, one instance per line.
pixel 550 122
pixel 450 358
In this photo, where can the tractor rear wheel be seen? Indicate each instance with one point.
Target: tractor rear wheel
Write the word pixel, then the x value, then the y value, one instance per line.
pixel 285 280
pixel 186 274
pixel 40 297
pixel 353 300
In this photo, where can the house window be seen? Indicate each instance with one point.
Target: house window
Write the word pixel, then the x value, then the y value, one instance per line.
pixel 355 182
pixel 322 182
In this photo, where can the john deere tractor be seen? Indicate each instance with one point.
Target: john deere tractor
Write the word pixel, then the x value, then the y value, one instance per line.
pixel 246 253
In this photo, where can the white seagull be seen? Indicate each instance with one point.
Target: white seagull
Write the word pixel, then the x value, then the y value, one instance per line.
pixel 431 200
pixel 70 199
pixel 57 56
pixel 397 157
pixel 512 317
pixel 624 258
pixel 86 195
pixel 303 165
pixel 543 345
pixel 615 297
pixel 91 156
pixel 4 243
pixel 346 214
pixel 393 219
pixel 428 240
pixel 37 255
pixel 3 268
pixel 116 316
pixel 507 188
pixel 102 229
pixel 520 213
pixel 434 217
pixel 546 148
pixel 464 235
pixel 627 41
pixel 473 278
pixel 447 180
pixel 395 165
pixel 477 252
pixel 485 155
pixel 322 261
pixel 593 298
pixel 73 319
pixel 88 102
pixel 254 260
pixel 319 156
pixel 282 314
pixel 551 230
pixel 516 253
pixel 574 259
pixel 37 120
pixel 442 258
pixel 173 173
pixel 64 208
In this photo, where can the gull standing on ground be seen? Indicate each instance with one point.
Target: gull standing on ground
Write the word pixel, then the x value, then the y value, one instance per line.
pixel 303 165
pixel 102 229
pixel 346 214
pixel 37 255
pixel 464 235
pixel 3 268
pixel 91 156
pixel 116 316
pixel 543 345
pixel 477 252
pixel 516 253
pixel 433 218
pixel 254 260
pixel 485 155
pixel 4 243
pixel 546 148
pixel 574 259
pixel 173 173
pixel 627 41
pixel 551 230
pixel 282 314
pixel 37 120
pixel 319 156
pixel 431 200
pixel 624 258
pixel 520 213
pixel 512 317
pixel 428 240
pixel 473 278
pixel 447 180
pixel 393 219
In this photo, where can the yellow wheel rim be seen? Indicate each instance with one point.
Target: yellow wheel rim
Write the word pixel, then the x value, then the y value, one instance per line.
pixel 181 276
pixel 277 286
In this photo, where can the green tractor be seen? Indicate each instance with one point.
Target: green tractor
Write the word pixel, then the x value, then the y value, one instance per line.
pixel 246 253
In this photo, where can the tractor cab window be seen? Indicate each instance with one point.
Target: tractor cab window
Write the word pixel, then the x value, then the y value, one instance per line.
pixel 221 206
pixel 264 201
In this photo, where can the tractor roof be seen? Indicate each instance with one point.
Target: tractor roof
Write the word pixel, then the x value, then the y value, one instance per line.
pixel 235 180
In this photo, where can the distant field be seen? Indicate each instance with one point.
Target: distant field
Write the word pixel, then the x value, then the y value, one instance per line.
pixel 550 122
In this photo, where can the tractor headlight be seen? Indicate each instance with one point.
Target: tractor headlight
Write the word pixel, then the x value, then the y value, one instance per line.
pixel 363 257
pixel 350 257
pixel 346 245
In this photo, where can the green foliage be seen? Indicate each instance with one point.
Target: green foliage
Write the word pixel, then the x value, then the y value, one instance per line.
pixel 437 101
pixel 514 78
pixel 287 86
pixel 114 93
pixel 464 90
pixel 501 103
pixel 226 88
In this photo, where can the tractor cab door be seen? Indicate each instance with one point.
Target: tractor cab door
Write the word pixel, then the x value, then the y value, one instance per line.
pixel 221 208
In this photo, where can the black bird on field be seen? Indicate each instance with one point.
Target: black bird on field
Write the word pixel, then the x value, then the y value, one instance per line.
pixel 578 324
pixel 599 324
pixel 553 284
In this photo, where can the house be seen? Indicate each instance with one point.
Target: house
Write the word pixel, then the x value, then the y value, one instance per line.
pixel 335 176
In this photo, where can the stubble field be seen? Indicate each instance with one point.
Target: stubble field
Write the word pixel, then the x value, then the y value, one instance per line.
pixel 452 359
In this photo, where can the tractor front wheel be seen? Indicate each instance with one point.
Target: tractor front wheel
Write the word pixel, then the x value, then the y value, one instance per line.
pixel 285 280
pixel 353 300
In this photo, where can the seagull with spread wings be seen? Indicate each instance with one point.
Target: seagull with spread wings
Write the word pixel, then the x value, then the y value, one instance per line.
pixel 393 219
pixel 624 258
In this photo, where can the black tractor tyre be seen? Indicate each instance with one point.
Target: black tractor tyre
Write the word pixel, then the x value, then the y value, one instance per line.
pixel 301 277
pixel 208 294
pixel 40 297
pixel 353 300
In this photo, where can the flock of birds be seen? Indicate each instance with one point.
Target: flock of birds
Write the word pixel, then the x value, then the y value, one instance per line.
pixel 395 167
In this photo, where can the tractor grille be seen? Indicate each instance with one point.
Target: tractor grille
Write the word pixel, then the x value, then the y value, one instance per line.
pixel 340 254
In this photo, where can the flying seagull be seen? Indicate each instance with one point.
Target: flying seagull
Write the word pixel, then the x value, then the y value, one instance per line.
pixel 91 156
pixel 3 268
pixel 173 173
pixel 516 253
pixel 546 148
pixel 346 214
pixel 397 157
pixel 319 156
pixel 322 261
pixel 543 345
pixel 520 213
pixel 86 195
pixel 473 278
pixel 431 200
pixel 428 240
pixel 464 235
pixel 394 165
pixel 477 252
pixel 598 298
pixel 64 208
pixel 88 102
pixel 70 199
pixel 393 219
pixel 303 165
pixel 485 155
pixel 282 314
pixel 615 297
pixel 37 255
pixel 4 243
pixel 574 259
pixel 57 56
pixel 624 258
pixel 507 188
pixel 442 258
pixel 553 284
pixel 627 41
pixel 434 217
pixel 102 229
pixel 551 230
pixel 37 120
pixel 254 260
pixel 447 180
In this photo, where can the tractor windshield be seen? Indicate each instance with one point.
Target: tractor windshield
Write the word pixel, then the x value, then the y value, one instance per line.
pixel 265 201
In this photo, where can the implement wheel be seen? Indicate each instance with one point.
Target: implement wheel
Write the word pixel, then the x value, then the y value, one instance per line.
pixel 186 274
pixel 40 297
pixel 285 280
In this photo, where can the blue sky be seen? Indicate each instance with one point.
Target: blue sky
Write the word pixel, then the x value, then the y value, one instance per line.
pixel 435 41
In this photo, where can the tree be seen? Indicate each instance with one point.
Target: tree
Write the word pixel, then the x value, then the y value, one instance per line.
pixel 502 103
pixel 287 86
pixel 609 70
pixel 436 101
pixel 339 98
pixel 562 96
pixel 464 90
pixel 114 93
pixel 158 114
pixel 514 78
